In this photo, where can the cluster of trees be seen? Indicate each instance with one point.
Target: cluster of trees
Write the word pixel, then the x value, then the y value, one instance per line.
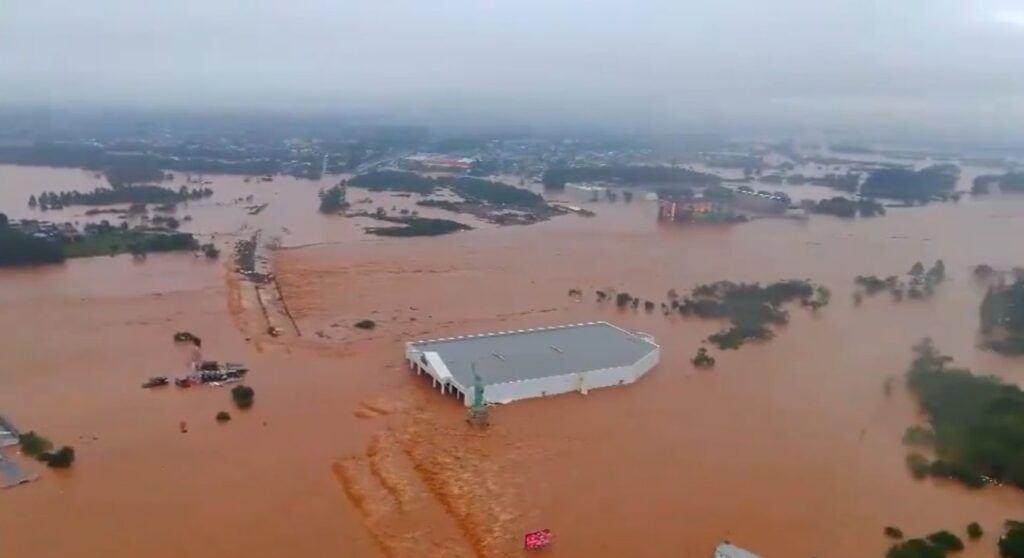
pixel 557 178
pixel 41 448
pixel 210 250
pixel 332 200
pixel 910 185
pixel 1012 182
pixel 622 300
pixel 935 545
pixel 18 248
pixel 1009 182
pixel 845 207
pixel 128 173
pixel 165 221
pixel 418 226
pixel 1002 317
pixel 1011 544
pixel 474 190
pixel 941 543
pixel 921 283
pixel 977 422
pixel 395 181
pixel 750 308
pixel 441 204
pixel 124 194
pixel 111 240
pixel 494 193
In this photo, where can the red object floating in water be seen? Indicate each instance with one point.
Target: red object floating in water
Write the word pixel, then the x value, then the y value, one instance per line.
pixel 537 539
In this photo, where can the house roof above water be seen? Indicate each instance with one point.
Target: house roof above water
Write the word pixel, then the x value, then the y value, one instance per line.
pixel 536 353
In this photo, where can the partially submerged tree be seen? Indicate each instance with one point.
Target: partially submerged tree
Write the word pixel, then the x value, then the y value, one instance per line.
pixel 893 532
pixel 1011 544
pixel 703 359
pixel 915 548
pixel 243 396
pixel 946 540
pixel 33 444
pixel 974 530
pixel 60 459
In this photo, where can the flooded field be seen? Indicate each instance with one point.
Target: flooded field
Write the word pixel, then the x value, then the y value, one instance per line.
pixel 790 448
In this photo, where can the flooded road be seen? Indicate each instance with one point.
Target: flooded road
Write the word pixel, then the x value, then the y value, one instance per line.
pixel 789 448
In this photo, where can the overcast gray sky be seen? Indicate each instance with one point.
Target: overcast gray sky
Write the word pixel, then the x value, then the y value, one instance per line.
pixel 808 63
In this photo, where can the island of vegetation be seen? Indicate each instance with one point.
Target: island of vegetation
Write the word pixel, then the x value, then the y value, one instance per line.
pixel 1011 182
pixel 750 308
pixel 28 243
pixel 394 181
pixel 332 200
pixel 417 226
pixel 628 175
pixel 117 195
pixel 975 422
pixel 845 207
pixel 1002 318
pixel 910 185
pixel 39 447
pixel 491 201
pixel 920 284
pixel 468 188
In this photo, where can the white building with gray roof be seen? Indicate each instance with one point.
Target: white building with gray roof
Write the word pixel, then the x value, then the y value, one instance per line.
pixel 525 363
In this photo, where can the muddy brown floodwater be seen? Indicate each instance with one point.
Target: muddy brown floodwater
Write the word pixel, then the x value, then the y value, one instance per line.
pixel 790 448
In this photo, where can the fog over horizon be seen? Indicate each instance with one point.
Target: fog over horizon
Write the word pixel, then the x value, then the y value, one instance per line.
pixel 942 67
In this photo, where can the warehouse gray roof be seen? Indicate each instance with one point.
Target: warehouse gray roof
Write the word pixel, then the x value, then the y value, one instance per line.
pixel 727 550
pixel 537 353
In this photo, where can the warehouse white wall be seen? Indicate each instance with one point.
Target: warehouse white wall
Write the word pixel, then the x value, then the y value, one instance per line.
pixel 553 385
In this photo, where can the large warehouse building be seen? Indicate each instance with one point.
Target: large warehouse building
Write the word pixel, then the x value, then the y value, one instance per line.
pixel 521 364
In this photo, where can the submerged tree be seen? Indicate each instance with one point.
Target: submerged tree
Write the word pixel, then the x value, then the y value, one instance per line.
pixel 703 359
pixel 60 459
pixel 893 532
pixel 332 200
pixel 1011 544
pixel 243 396
pixel 974 530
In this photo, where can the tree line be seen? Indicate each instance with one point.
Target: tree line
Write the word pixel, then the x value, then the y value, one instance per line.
pixel 911 185
pixel 123 194
pixel 474 190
